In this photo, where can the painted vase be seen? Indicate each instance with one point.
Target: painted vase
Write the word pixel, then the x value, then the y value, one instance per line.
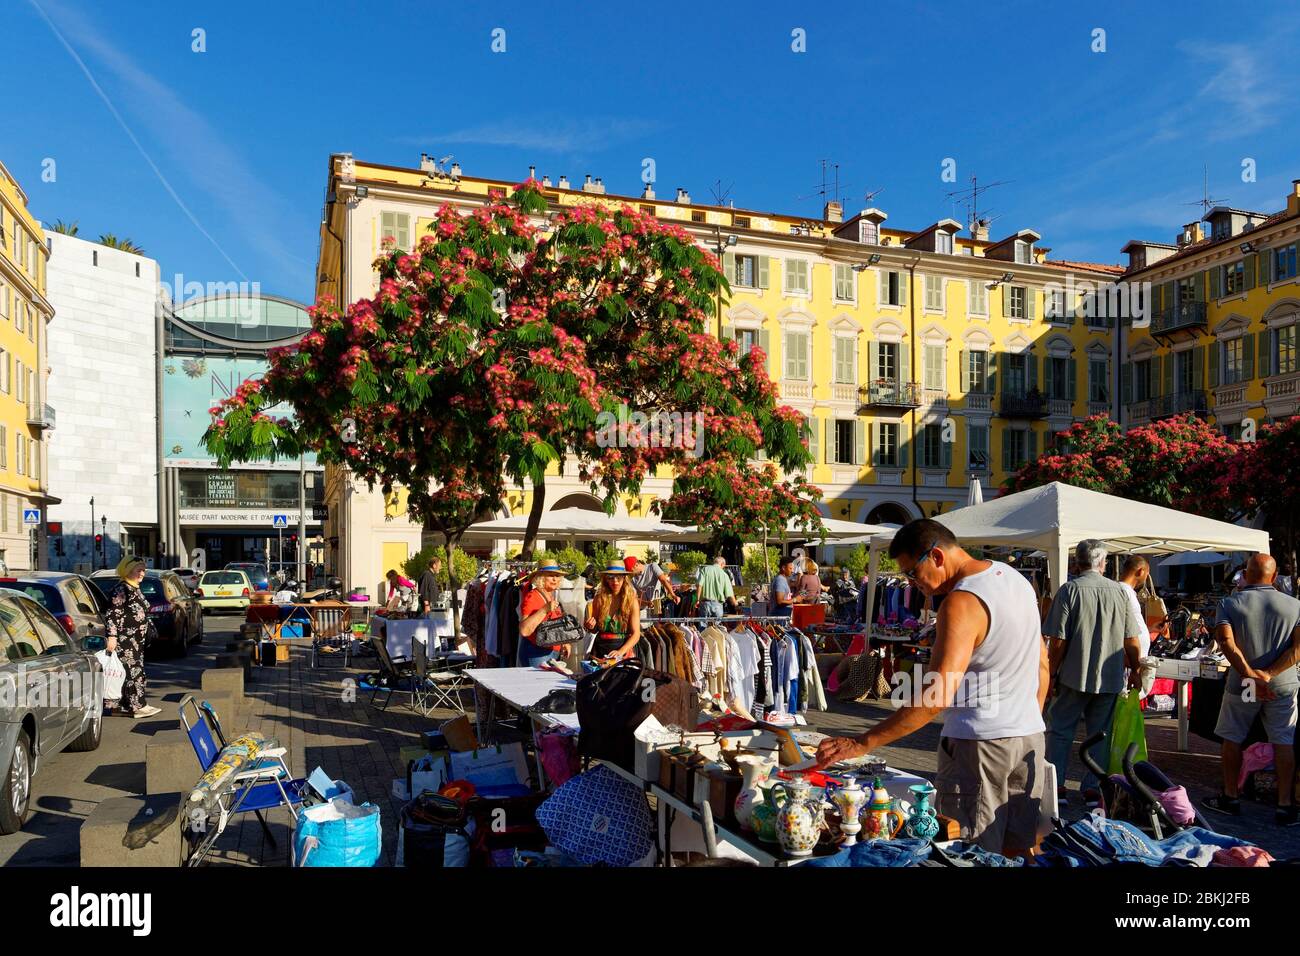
pixel 922 822
pixel 800 820
pixel 849 798
pixel 881 820
pixel 754 769
pixel 763 818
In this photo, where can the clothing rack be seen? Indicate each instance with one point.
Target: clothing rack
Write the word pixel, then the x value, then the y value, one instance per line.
pixel 731 619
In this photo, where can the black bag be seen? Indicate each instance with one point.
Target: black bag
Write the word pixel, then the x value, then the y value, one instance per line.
pixel 561 630
pixel 612 703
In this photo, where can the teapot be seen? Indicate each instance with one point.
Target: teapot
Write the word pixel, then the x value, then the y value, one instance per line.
pixel 881 820
pixel 849 798
pixel 763 816
pixel 922 823
pixel 800 820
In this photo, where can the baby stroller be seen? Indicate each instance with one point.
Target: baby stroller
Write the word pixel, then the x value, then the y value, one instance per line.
pixel 1142 795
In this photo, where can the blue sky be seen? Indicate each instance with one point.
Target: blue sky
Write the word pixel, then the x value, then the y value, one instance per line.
pixel 215 162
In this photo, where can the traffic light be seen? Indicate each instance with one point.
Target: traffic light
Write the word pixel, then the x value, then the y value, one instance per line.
pixel 99 542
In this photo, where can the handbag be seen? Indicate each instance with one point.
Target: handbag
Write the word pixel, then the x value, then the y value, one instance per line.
pixel 1153 606
pixel 557 631
pixel 866 679
pixel 599 819
pixel 612 703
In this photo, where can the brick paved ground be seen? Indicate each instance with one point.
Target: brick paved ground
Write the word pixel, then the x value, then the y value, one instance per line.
pixel 307 710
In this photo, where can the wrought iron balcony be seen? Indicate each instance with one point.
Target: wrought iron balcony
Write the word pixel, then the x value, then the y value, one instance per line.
pixel 40 415
pixel 1023 405
pixel 1184 317
pixel 1164 406
pixel 887 393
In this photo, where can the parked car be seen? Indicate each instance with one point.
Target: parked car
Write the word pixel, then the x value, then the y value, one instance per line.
pixel 76 604
pixel 256 573
pixel 35 650
pixel 224 590
pixel 188 575
pixel 176 613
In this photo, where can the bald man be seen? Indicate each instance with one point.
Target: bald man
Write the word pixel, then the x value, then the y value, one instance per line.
pixel 1258 632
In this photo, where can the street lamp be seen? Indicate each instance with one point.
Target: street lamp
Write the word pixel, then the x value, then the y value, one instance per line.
pixel 719 247
pixel 93 566
pixel 103 524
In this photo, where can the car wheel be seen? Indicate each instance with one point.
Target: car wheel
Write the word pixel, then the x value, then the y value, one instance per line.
pixel 199 638
pixel 182 643
pixel 16 789
pixel 90 737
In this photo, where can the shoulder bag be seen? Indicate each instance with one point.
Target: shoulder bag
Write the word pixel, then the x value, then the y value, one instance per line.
pixel 557 631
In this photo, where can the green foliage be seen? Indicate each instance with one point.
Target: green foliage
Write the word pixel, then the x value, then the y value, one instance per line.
pixel 688 562
pixel 465 565
pixel 571 559
pixel 604 553
pixel 753 571
pixel 859 559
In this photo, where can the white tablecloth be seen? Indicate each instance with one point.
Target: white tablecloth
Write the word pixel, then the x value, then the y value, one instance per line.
pixel 523 687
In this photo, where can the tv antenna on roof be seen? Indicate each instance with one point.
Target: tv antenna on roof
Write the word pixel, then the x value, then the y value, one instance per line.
pixel 720 195
pixel 869 197
pixel 970 198
pixel 1205 202
pixel 832 189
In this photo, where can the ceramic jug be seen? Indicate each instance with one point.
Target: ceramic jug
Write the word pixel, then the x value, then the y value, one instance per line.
pixel 763 818
pixel 849 798
pixel 754 769
pixel 881 820
pixel 800 820
pixel 922 824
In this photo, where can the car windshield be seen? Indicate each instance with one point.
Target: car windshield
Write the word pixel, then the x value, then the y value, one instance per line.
pixel 46 595
pixel 223 577
pixel 152 589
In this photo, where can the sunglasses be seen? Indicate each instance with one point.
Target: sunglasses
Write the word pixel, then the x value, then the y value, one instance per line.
pixel 911 575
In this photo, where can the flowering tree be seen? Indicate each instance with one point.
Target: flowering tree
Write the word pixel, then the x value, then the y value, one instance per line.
pixel 1089 454
pixel 495 351
pixel 1264 477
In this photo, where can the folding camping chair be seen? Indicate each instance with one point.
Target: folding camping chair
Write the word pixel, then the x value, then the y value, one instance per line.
pixel 394 673
pixel 264 784
pixel 439 680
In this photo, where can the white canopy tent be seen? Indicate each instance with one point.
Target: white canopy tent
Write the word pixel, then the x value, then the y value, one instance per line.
pixel 1055 517
pixel 579 524
pixel 836 531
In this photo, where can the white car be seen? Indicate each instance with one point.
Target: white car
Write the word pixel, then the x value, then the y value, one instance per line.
pixel 189 576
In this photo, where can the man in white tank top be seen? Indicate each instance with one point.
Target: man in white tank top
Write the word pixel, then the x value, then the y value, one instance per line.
pixel 988 678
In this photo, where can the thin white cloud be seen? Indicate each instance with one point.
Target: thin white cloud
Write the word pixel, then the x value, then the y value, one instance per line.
pixel 191 140
pixel 589 134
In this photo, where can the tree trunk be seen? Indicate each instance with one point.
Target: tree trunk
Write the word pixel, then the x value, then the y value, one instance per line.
pixel 534 519
pixel 451 543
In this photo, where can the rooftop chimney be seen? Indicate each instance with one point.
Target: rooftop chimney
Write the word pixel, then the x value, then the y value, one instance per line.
pixel 648 192
pixel 598 186
pixel 546 180
pixel 1192 232
pixel 1293 200
pixel 587 185
pixel 564 182
pixel 979 230
pixel 455 170
pixel 833 212
pixel 683 196
pixel 532 171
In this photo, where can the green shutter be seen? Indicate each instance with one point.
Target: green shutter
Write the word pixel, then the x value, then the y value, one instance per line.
pixel 945 452
pixel 1033 445
pixel 1005 290
pixel 1031 371
pixel 1198 287
pixel 729 267
pixel 811 424
pixel 1169 375
pixel 1072 379
pixel 904 446
pixel 829 426
pixel 1212 364
pixel 965 371
pixel 859 442
pixel 1029 303
pixel 873 433
pixel 1248 357
pixel 904 281
pixel 765 343
pixel 873 361
pixel 763 264
pixel 1049 378
pixel 1265 366
pixel 904 362
pixel 1248 267
pixel 1216 282
pixel 728 333
pixel 1263 267
pixel 991 377
pixel 1126 383
pixel 1006 448
pixel 1198 368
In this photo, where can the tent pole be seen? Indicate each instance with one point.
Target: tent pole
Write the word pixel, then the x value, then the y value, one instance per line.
pixel 873 571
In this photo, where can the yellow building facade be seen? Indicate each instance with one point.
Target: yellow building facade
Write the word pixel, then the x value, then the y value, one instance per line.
pixel 920 358
pixel 24 417
pixel 1222 338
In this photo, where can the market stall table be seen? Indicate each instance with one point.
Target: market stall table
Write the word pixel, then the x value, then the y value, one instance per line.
pixel 1183 673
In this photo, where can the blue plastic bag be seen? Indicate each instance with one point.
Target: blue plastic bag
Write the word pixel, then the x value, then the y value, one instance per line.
pixel 337 834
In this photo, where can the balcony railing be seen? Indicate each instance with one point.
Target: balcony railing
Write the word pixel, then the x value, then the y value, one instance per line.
pixel 1023 405
pixel 979 402
pixel 1284 386
pixel 891 394
pixel 1194 401
pixel 1184 317
pixel 40 415
pixel 1060 407
pixel 1098 408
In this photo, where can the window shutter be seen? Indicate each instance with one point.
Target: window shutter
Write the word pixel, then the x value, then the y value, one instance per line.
pixel 873 360
pixel 965 371
pixel 945 453
pixel 859 441
pixel 1264 267
pixel 904 446
pixel 729 267
pixel 1031 371
pixel 812 437
pixel 1072 379
pixel 829 425
pixel 904 362
pixel 1248 357
pixel 1006 448
pixel 765 343
pixel 728 333
pixel 763 271
pixel 1033 445
pixel 1198 287
pixel 1216 282
pixel 1248 267
pixel 882 285
pixel 1029 303
pixel 874 434
pixel 903 290
pixel 1266 340
pixel 1126 383
pixel 1005 291
pixel 1212 363
pixel 991 372
pixel 1168 388
pixel 789 274
pixel 1049 378
pixel 1198 368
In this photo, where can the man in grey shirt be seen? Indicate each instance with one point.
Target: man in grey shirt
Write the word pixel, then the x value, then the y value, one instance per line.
pixel 1093 652
pixel 782 597
pixel 1257 630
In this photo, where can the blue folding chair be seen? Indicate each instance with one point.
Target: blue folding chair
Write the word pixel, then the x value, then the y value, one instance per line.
pixel 264 784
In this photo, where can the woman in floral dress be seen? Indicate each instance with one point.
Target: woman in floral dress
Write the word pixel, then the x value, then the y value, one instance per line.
pixel 129 629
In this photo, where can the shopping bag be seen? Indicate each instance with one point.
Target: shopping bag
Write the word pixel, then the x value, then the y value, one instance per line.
pixel 337 834
pixel 114 674
pixel 1127 727
pixel 496 766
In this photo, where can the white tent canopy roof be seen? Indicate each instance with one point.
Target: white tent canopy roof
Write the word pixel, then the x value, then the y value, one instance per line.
pixel 578 523
pixel 837 530
pixel 1060 515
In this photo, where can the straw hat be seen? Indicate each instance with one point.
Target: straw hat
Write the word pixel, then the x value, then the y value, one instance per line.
pixel 616 569
pixel 546 569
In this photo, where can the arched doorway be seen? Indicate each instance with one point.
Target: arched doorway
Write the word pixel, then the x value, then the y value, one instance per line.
pixel 585 502
pixel 888 512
